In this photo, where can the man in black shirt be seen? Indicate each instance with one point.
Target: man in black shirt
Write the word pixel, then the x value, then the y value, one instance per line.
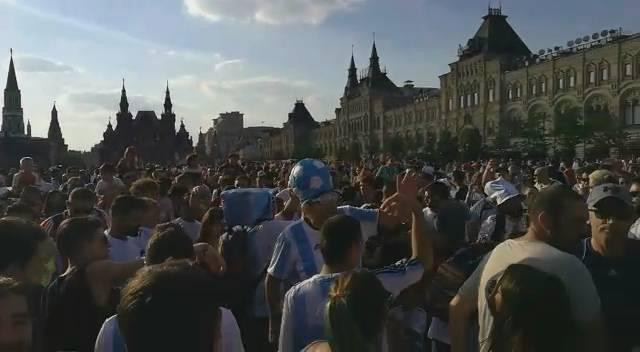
pixel 614 263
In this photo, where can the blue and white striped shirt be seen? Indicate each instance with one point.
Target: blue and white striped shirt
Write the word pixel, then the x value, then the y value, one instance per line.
pixel 297 256
pixel 304 304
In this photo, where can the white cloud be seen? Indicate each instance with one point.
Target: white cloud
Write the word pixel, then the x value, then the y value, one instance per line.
pixel 40 64
pixel 269 11
pixel 222 64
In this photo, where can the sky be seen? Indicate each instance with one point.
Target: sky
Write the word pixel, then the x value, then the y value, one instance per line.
pixel 253 56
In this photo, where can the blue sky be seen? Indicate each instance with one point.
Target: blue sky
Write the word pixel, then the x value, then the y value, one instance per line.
pixel 255 56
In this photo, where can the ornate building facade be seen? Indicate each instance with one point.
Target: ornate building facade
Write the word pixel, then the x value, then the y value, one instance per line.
pixel 156 140
pixel 494 86
pixel 15 143
pixel 295 138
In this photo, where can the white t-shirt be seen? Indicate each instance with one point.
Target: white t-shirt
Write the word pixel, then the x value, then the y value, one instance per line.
pixel 304 304
pixel 582 293
pixel 262 240
pixel 634 231
pixel 192 228
pixel 125 250
pixel 297 256
pixel 111 340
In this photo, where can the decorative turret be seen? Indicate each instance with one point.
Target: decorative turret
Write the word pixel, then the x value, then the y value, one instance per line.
pixel 167 100
pixel 374 62
pixel 124 102
pixel 55 133
pixel 12 117
pixel 28 128
pixel 352 80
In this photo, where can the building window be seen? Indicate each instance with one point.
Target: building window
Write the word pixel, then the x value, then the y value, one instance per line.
pixel 604 74
pixel 476 98
pixel 592 77
pixel 462 101
pixel 628 69
pixel 518 92
pixel 533 89
pixel 468 99
pixel 450 104
pixel 543 87
pixel 510 93
pixel 491 95
pixel 632 112
pixel 572 80
pixel 560 83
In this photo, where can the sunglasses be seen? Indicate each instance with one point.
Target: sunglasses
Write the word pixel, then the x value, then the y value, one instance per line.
pixel 613 214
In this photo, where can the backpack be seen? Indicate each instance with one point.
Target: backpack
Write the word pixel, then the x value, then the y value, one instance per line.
pixel 450 276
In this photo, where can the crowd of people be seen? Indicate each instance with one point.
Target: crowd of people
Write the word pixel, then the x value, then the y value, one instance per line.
pixel 314 256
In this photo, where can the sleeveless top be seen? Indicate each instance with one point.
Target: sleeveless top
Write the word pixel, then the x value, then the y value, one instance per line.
pixel 72 317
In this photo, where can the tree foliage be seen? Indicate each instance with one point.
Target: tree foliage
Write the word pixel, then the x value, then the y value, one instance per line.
pixel 470 142
pixel 533 142
pixel 447 147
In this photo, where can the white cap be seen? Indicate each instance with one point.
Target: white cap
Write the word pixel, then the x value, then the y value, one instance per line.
pixel 500 191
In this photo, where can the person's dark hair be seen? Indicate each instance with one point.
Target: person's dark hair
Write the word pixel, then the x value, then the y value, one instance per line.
pixel 214 215
pixel 124 206
pixel 356 312
pixel 553 200
pixel 19 241
pixel 108 168
pixel 440 189
pixel 50 199
pixel 82 194
pixel 191 158
pixel 337 236
pixel 143 187
pixel 535 312
pixel 178 191
pixel 21 210
pixel 458 174
pixel 176 290
pixel 164 184
pixel 30 195
pixel 169 243
pixel 73 233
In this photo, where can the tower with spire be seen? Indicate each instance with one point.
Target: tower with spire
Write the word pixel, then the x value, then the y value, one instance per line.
pixel 168 118
pixel 352 78
pixel 55 133
pixel 12 115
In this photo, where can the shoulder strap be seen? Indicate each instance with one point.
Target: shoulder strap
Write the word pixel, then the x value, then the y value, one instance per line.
pixel 304 249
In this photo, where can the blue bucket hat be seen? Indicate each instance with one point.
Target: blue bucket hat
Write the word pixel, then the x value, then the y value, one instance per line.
pixel 310 179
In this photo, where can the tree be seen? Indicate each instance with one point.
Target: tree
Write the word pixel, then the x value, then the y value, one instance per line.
pixel 446 148
pixel 534 136
pixel 470 142
pixel 396 146
pixel 354 151
pixel 568 131
pixel 604 132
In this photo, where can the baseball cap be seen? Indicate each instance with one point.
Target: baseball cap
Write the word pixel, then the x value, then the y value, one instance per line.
pixel 608 190
pixel 428 170
pixel 500 191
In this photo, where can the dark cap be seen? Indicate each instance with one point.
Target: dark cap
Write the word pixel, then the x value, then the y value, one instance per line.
pixel 608 190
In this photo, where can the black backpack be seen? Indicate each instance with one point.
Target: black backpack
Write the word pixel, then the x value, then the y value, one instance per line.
pixel 450 276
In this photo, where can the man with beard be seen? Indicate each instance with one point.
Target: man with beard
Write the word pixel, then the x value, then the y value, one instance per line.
pixel 614 262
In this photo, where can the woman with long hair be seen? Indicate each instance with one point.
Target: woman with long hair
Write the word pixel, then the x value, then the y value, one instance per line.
pixel 532 312
pixel 355 315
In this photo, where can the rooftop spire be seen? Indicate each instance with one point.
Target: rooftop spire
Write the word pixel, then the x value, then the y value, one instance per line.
pixel 352 79
pixel 167 100
pixel 12 82
pixel 124 102
pixel 55 133
pixel 374 60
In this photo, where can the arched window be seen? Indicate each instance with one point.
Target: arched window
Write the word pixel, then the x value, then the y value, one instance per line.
pixel 518 91
pixel 533 87
pixel 591 74
pixel 560 80
pixel 571 74
pixel 632 112
pixel 543 84
pixel 604 71
pixel 627 67
pixel 510 92
pixel 491 90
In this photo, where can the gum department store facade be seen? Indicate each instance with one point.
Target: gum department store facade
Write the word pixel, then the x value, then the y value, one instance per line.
pixel 495 80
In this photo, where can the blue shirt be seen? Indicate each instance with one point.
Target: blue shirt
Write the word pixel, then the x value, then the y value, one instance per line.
pixel 304 304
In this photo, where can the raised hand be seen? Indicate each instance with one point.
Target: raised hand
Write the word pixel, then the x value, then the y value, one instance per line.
pixel 407 185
